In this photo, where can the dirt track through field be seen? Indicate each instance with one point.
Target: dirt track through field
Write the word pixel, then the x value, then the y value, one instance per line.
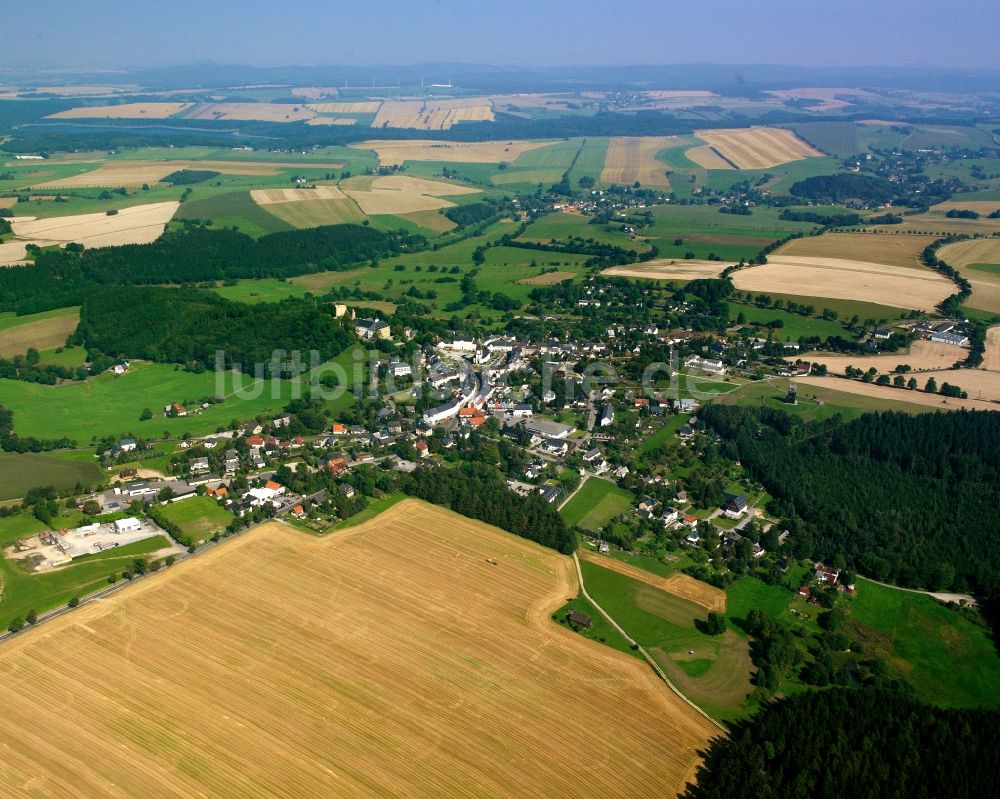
pixel 388 660
pixel 708 596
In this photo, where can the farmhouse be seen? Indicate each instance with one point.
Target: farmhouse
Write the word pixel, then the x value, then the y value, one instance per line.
pixel 578 619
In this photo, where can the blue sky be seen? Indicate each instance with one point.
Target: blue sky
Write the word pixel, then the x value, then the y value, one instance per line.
pixel 964 33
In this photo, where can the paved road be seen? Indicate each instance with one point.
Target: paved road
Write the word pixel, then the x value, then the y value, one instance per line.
pixel 635 645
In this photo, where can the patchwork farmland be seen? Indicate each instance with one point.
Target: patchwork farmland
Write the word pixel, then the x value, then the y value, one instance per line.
pixel 386 659
pixel 633 158
pixel 751 148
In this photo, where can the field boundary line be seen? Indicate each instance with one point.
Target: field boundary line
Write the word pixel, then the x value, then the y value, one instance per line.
pixel 636 646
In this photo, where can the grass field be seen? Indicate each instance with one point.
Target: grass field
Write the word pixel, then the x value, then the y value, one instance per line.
pixel 384 660
pixel 947 659
pixel 199 517
pixel 43 331
pixel 664 625
pixel 19 472
pixel 794 325
pixel 595 504
pixel 111 405
pixel 233 209
pixel 820 401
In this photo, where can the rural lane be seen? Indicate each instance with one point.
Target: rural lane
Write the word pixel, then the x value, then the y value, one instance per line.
pixel 635 645
pixel 941 596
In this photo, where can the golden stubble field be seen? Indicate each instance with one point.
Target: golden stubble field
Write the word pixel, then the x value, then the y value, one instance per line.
pixel 633 158
pixel 402 194
pixel 393 153
pixel 138 224
pixel 752 148
pixel 135 173
pixel 670 269
pixel 922 355
pixel 432 114
pixel 843 279
pixel 387 660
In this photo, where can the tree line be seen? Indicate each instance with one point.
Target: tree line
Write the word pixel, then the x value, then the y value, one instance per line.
pixel 189 326
pixel 905 498
pixel 59 278
pixel 862 743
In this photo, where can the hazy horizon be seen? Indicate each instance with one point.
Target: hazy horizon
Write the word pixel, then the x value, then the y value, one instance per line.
pixel 894 33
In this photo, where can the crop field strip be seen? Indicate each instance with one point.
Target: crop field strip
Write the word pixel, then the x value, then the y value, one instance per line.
pixel 385 660
pixel 393 152
pixel 754 148
pixel 135 173
pixel 678 584
pixel 669 269
pixel 633 158
pixel 838 278
pixel 922 355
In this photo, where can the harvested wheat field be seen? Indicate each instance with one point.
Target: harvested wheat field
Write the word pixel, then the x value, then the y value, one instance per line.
pixel 260 112
pixel 139 224
pixel 432 114
pixel 393 153
pixel 669 269
pixel 877 248
pixel 707 157
pixel 136 173
pixel 548 278
pixel 8 202
pixel 12 252
pixel 401 194
pixel 273 196
pixel 935 401
pixel 316 92
pixel 842 279
pixel 991 357
pixel 123 111
pixel 757 148
pixel 708 596
pixel 633 158
pixel 388 660
pixel 42 334
pixel 980 384
pixel 346 108
pixel 922 355
pixel 936 223
pixel 971 251
pixel 984 207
